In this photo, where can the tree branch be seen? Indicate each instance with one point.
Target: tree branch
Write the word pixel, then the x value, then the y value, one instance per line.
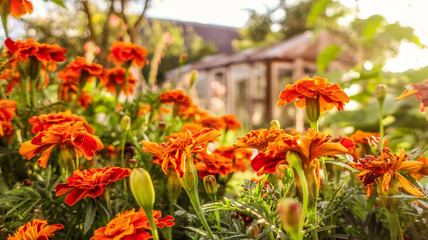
pixel 139 22
pixel 88 13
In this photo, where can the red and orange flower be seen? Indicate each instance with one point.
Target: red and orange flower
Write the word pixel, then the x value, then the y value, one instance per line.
pixel 70 136
pixel 20 7
pixel 45 53
pixel 328 95
pixel 362 142
pixel 259 139
pixel 80 68
pixel 89 183
pixel 212 164
pixel 174 153
pixel 128 53
pixel 36 230
pixel 231 122
pixel 241 156
pixel 7 111
pixel 384 170
pixel 45 121
pixel 421 92
pixel 131 225
pixel 115 79
pixel 175 96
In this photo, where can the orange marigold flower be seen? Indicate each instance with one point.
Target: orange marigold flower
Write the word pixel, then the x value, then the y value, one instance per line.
pixel 12 78
pixel 175 96
pixel 231 122
pixel 328 95
pixel 241 157
pixel 213 122
pixel 424 169
pixel 36 230
pixel 69 135
pixel 45 53
pixel 259 139
pixel 310 146
pixel 89 183
pixel 115 79
pixel 81 68
pixel 128 53
pixel 45 121
pixel 383 169
pixel 20 7
pixel 421 92
pixel 144 108
pixel 212 164
pixel 111 151
pixel 6 129
pixel 85 99
pixel 7 109
pixel 362 142
pixel 174 153
pixel 192 112
pixel 131 225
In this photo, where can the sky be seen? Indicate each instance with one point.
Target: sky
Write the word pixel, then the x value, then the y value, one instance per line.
pixel 234 13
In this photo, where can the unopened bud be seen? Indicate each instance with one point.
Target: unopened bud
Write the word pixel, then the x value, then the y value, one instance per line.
pixel 125 124
pixel 174 186
pixel 211 186
pixel 182 59
pixel 290 213
pixel 275 124
pixel 380 92
pixel 133 163
pixel 162 126
pixel 142 188
pixel 193 77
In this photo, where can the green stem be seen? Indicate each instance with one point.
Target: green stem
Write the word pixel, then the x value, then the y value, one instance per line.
pixel 314 125
pixel 172 214
pixel 176 77
pixel 4 21
pixel 33 86
pixel 312 216
pixel 381 130
pixel 217 215
pixel 194 199
pixel 123 163
pixel 298 169
pixel 152 223
pixel 394 225
pixel 24 89
pixel 2 92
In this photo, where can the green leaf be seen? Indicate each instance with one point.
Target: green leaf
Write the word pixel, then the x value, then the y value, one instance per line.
pixel 326 56
pixel 317 9
pixel 58 2
pixel 90 216
pixel 371 26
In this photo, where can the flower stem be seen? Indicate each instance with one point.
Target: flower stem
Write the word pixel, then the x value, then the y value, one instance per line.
pixel 381 130
pixel 172 214
pixel 127 82
pixel 152 223
pixel 24 89
pixel 394 225
pixel 194 199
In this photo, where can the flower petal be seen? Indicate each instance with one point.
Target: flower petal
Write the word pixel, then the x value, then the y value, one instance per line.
pixel 409 187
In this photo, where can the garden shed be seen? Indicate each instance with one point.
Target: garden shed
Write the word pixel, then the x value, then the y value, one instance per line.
pixel 248 83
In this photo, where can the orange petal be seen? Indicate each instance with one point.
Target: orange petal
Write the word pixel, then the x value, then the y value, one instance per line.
pixel 412 166
pixel 408 186
pixel 327 149
pixel 43 160
pixel 385 182
pixel 407 94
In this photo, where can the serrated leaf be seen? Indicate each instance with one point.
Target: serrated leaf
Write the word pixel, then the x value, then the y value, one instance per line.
pixel 316 10
pixel 90 216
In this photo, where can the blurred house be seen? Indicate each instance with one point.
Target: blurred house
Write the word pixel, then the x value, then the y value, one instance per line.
pixel 248 83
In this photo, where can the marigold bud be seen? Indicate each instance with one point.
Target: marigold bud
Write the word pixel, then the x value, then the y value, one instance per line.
pixel 290 213
pixel 142 188
pixel 380 92
pixel 210 184
pixel 183 59
pixel 174 186
pixel 132 163
pixel 125 124
pixel 162 126
pixel 275 123
pixel 193 77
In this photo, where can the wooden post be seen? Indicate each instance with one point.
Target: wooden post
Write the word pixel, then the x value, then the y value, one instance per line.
pixel 299 70
pixel 269 92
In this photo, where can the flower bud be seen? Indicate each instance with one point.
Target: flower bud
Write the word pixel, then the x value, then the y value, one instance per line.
pixel 211 186
pixel 125 123
pixel 162 126
pixel 290 213
pixel 380 92
pixel 275 123
pixel 142 188
pixel 193 77
pixel 183 59
pixel 174 186
pixel 133 163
